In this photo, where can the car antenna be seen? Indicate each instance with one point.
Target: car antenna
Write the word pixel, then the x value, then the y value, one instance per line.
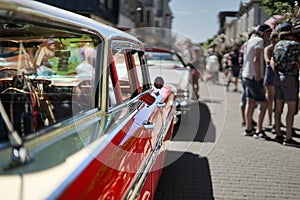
pixel 20 155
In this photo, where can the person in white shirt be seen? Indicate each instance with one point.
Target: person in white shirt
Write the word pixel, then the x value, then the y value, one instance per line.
pixel 253 74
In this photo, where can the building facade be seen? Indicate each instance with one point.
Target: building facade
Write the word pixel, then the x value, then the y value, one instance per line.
pixel 250 16
pixel 104 11
pixel 122 14
pixel 234 29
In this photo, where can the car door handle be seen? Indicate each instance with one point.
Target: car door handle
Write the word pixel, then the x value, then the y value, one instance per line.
pixel 161 104
pixel 148 125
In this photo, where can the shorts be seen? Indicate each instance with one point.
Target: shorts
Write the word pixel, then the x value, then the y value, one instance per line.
pixel 195 74
pixel 269 76
pixel 287 88
pixel 236 72
pixel 255 90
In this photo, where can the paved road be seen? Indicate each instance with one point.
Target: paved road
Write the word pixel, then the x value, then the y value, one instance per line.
pixel 215 161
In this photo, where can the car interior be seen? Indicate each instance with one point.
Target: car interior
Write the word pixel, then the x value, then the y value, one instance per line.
pixel 46 74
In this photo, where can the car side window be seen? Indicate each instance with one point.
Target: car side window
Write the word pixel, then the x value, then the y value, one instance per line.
pixel 126 76
pixel 141 69
pixel 45 78
pixel 123 75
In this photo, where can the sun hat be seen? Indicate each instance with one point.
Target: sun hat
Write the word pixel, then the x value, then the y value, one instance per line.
pixel 285 31
pixel 285 27
pixel 263 28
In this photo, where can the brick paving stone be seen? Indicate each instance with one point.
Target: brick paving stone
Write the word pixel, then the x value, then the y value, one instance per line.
pixel 236 166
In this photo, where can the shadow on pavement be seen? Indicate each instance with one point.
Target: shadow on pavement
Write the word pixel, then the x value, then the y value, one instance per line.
pixel 196 125
pixel 188 176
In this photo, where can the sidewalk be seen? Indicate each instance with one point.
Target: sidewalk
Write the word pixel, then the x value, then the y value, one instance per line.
pixel 233 166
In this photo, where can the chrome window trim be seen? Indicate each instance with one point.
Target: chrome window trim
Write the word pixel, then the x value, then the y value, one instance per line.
pixel 127 102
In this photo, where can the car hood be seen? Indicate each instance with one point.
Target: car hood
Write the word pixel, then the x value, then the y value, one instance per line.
pixel 176 76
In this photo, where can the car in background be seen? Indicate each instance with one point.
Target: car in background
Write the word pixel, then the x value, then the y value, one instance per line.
pixel 170 66
pixel 79 116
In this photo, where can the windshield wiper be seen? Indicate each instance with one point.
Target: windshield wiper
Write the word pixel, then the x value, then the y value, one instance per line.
pixel 20 155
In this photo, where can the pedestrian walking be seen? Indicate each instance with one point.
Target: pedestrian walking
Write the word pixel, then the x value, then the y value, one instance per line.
pixel 286 62
pixel 212 66
pixel 192 56
pixel 234 68
pixel 224 61
pixel 253 73
pixel 196 69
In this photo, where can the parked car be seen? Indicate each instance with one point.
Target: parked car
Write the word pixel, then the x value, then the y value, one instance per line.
pixel 79 118
pixel 170 66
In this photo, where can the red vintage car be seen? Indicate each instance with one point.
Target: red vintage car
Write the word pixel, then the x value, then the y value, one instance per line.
pixel 80 118
pixel 169 65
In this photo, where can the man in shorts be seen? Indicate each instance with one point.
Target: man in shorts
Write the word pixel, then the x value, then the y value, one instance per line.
pixel 253 74
pixel 286 64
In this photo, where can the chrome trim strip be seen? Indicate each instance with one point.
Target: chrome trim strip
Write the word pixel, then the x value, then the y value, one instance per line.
pixel 126 103
pixel 140 179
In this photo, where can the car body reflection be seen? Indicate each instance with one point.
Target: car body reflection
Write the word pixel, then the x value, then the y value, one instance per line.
pixel 80 118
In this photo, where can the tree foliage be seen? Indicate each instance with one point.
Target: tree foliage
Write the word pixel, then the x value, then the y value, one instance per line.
pixel 287 8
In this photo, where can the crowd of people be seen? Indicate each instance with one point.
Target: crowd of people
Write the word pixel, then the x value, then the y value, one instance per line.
pixel 270 73
pixel 268 63
pixel 267 66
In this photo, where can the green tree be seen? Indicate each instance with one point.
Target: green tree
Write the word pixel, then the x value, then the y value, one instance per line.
pixel 287 8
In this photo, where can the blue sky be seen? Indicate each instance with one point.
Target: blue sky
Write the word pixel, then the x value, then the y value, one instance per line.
pixel 198 19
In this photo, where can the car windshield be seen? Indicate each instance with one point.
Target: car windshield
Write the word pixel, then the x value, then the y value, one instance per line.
pixel 46 74
pixel 163 58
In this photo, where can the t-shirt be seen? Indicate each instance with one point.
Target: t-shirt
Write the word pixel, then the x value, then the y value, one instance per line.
pixel 286 53
pixel 234 58
pixel 212 63
pixel 249 52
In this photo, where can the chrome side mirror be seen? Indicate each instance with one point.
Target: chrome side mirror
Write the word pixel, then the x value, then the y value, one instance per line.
pixel 159 82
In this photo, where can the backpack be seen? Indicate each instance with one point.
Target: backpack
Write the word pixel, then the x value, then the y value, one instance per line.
pixel 285 55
